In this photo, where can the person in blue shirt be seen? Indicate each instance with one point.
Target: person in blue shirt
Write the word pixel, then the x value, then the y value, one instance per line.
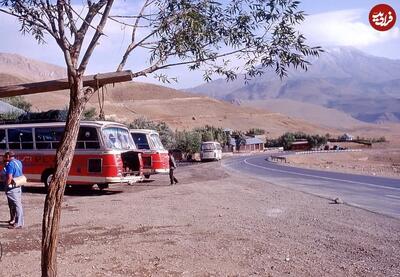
pixel 13 168
pixel 10 205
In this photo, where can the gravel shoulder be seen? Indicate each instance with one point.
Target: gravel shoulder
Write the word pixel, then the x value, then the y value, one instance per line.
pixel 213 223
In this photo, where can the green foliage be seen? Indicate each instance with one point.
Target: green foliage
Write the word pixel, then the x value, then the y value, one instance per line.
pixel 211 133
pixel 90 114
pixel 260 33
pixel 255 132
pixel 9 116
pixel 288 138
pixel 273 143
pixel 166 134
pixel 240 138
pixel 370 140
pixel 381 139
pixel 18 102
pixel 188 141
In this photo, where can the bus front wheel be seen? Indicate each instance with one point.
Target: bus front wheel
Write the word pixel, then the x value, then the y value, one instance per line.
pixel 47 176
pixel 102 186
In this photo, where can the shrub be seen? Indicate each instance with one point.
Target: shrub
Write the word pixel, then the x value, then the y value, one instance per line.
pixel 19 102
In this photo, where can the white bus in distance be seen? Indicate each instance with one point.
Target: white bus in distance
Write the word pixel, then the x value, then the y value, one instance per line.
pixel 210 150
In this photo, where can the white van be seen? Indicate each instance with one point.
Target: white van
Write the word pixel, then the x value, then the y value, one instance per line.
pixel 210 150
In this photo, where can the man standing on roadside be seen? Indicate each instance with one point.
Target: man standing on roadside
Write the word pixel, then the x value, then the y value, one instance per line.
pixel 172 166
pixel 13 169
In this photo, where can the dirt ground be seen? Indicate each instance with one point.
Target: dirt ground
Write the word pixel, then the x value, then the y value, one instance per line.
pixel 213 223
pixel 376 162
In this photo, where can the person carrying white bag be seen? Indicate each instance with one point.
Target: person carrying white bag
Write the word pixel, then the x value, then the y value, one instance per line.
pixel 14 180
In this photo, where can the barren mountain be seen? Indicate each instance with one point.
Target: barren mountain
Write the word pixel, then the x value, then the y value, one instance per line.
pixel 26 69
pixel 128 101
pixel 311 113
pixel 346 79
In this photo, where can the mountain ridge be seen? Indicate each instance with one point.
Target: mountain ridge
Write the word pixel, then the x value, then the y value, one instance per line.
pixel 343 78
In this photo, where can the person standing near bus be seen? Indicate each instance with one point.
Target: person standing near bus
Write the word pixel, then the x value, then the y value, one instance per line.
pixel 172 166
pixel 13 168
pixel 10 206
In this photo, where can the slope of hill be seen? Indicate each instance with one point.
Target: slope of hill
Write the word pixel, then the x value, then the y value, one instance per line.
pixel 28 69
pixel 128 101
pixel 311 113
pixel 364 86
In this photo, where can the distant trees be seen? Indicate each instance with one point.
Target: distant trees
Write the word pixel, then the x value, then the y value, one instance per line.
pixel 211 133
pixel 9 116
pixel 18 102
pixel 240 139
pixel 255 132
pixel 90 114
pixel 167 136
pixel 288 138
pixel 188 142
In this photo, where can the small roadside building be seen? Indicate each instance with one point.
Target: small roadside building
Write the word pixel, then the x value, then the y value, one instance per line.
pixel 248 144
pixel 300 145
pixel 347 137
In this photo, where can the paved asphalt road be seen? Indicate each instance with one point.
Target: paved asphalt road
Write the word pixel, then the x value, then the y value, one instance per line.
pixel 377 194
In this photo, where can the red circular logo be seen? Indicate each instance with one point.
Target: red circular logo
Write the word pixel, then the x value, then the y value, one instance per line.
pixel 382 17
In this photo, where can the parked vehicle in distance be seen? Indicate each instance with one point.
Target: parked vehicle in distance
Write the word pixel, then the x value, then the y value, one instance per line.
pixel 210 150
pixel 104 153
pixel 154 155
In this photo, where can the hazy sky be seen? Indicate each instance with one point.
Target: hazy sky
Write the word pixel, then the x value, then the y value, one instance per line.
pixel 329 23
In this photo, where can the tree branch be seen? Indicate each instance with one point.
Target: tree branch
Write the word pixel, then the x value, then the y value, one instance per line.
pixel 132 45
pixel 87 21
pixel 156 66
pixel 96 36
pixel 35 21
pixel 71 20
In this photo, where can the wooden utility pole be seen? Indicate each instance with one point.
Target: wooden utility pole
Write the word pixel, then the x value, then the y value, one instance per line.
pixel 93 81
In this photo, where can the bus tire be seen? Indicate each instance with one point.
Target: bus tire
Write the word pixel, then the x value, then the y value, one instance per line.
pixel 102 186
pixel 46 177
pixel 147 176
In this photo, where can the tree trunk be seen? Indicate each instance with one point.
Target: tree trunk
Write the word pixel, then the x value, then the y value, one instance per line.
pixel 64 156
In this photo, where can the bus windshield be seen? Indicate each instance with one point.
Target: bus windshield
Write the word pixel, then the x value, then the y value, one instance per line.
pixel 141 141
pixel 155 138
pixel 117 138
pixel 208 146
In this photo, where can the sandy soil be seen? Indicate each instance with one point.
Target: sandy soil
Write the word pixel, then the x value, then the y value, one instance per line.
pixel 212 223
pixel 376 162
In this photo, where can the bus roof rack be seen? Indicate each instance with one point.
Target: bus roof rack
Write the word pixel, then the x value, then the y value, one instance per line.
pixel 40 117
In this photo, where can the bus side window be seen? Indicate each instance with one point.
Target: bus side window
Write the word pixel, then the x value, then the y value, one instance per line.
pixel 20 138
pixel 48 137
pixel 3 142
pixel 88 138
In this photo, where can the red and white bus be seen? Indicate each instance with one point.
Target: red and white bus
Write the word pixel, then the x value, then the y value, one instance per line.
pixel 105 152
pixel 154 155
